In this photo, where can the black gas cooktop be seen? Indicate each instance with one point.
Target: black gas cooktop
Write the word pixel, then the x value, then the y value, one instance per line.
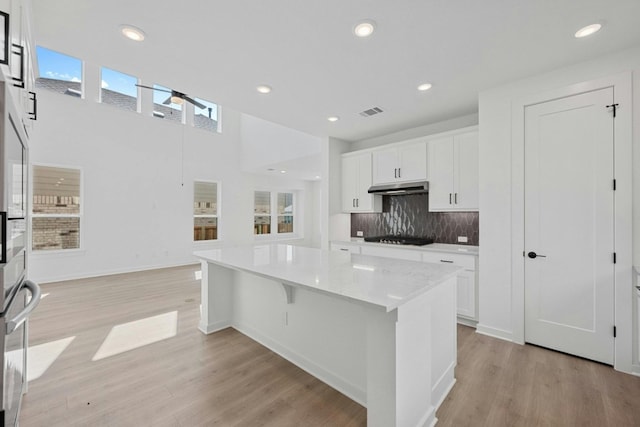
pixel 400 240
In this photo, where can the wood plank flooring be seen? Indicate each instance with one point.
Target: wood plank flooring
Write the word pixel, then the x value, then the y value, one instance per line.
pixel 226 379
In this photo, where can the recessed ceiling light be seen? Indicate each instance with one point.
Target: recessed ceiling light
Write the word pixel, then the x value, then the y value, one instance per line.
pixel 588 30
pixel 283 171
pixel 333 118
pixel 364 28
pixel 263 89
pixel 317 176
pixel 424 86
pixel 132 33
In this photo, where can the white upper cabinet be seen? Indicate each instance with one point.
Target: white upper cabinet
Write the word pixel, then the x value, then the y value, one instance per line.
pixel 453 172
pixel 407 162
pixel 19 73
pixel 356 180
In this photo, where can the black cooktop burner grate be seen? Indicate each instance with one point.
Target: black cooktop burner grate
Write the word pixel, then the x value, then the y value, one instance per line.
pixel 400 240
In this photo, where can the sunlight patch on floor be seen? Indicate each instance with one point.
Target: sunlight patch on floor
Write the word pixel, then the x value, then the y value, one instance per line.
pixel 136 334
pixel 40 357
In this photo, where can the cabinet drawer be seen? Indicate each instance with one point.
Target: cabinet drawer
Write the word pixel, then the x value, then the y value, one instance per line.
pixel 354 249
pixel 466 261
pixel 405 254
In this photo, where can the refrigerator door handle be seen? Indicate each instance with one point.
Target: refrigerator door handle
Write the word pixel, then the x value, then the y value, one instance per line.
pixel 14 323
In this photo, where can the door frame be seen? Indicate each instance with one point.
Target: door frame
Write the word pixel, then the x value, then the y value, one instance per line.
pixel 623 290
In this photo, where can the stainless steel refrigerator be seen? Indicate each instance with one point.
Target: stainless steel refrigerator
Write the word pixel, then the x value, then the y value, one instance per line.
pixel 19 295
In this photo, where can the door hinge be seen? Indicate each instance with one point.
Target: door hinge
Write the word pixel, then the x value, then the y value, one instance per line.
pixel 614 184
pixel 615 108
pixel 614 258
pixel 614 332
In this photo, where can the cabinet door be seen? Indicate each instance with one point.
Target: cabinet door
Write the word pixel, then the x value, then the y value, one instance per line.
pixel 638 319
pixel 441 174
pixel 413 162
pixel 467 294
pixel 385 166
pixel 364 200
pixel 466 172
pixel 392 252
pixel 349 183
pixel 345 247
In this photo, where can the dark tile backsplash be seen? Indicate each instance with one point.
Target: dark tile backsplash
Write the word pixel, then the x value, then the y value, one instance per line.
pixel 409 215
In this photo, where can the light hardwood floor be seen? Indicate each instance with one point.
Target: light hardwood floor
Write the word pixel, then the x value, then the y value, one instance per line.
pixel 226 379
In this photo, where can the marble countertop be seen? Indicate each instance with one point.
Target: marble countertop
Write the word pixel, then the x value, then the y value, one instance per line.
pixel 383 282
pixel 434 247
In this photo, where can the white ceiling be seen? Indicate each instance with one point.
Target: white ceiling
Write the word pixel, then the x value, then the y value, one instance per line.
pixel 305 50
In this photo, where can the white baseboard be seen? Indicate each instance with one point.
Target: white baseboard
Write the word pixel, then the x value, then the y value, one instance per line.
pixel 429 419
pixel 494 332
pixel 348 389
pixel 443 386
pixel 467 322
pixel 214 327
pixel 111 272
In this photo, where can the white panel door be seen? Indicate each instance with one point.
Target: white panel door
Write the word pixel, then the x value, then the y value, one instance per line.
pixel 385 166
pixel 413 162
pixel 465 174
pixel 569 219
pixel 441 174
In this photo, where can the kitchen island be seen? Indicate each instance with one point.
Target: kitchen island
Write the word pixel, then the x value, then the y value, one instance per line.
pixel 381 331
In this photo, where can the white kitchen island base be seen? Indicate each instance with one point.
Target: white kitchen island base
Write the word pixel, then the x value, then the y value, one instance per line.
pixel 397 362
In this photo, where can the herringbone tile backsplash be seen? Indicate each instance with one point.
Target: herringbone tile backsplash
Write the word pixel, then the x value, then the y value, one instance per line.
pixel 409 216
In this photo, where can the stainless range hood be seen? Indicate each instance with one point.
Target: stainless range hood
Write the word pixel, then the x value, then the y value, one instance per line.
pixel 401 188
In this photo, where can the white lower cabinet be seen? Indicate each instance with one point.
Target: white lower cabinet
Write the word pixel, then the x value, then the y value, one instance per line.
pixel 467 294
pixel 396 253
pixel 638 318
pixel 466 280
pixel 346 247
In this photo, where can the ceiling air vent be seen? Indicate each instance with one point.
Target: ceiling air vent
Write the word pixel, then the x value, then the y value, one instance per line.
pixel 371 112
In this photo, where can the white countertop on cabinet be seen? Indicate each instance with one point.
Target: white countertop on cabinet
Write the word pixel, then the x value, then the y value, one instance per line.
pixel 434 247
pixel 387 283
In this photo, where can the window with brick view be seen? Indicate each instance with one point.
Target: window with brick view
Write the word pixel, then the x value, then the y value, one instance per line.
pixel 56 208
pixel 285 212
pixel 205 211
pixel 58 72
pixel 262 212
pixel 164 107
pixel 207 117
pixel 119 89
pixel 273 208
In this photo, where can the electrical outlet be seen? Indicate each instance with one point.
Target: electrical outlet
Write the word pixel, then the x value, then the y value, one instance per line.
pixel 462 239
pixel 359 233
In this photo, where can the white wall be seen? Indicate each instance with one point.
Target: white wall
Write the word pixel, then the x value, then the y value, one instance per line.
pixel 266 143
pixel 137 212
pixel 417 132
pixel 335 223
pixel 497 191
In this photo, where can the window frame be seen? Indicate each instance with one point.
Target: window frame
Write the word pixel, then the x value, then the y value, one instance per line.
pixel 33 215
pixel 82 73
pixel 274 215
pixel 217 215
pixel 218 116
pixel 183 107
pixel 138 94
